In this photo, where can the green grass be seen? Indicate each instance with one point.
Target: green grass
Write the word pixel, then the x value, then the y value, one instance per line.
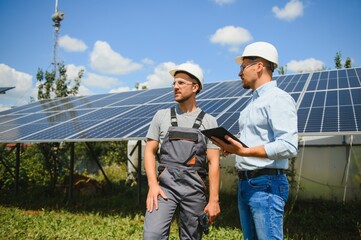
pixel 116 215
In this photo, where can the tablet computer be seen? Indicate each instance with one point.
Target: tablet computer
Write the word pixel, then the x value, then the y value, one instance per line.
pixel 220 132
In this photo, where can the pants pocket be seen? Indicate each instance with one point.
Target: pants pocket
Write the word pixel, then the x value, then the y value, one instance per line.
pixel 284 189
pixel 201 180
pixel 161 172
pixel 259 183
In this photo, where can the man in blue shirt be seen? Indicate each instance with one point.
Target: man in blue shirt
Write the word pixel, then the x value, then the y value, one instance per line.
pixel 268 126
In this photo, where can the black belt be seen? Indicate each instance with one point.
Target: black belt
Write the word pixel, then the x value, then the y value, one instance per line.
pixel 259 172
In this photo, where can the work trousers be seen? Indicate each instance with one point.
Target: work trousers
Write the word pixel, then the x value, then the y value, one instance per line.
pixel 186 190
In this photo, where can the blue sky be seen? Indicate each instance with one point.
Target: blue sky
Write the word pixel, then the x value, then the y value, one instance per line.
pixel 121 42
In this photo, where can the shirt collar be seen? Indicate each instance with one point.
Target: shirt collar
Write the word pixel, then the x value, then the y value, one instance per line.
pixel 262 89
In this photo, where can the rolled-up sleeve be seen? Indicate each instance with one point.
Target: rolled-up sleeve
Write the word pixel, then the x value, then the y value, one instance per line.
pixel 282 117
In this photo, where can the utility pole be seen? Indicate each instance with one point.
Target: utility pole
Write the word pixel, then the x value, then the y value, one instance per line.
pixel 57 18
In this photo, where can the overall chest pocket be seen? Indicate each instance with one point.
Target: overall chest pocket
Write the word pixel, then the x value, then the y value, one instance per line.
pixel 179 147
pixel 187 136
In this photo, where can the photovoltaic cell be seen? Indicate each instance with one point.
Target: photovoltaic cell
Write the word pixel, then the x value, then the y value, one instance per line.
pixel 292 83
pixel 347 124
pixel 356 96
pixel 225 89
pixel 295 96
pixel 332 98
pixel 331 80
pixel 307 100
pixel 313 82
pixel 326 83
pixel 331 120
pixel 229 119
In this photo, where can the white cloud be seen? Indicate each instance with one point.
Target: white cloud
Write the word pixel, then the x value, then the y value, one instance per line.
pixel 291 11
pixel 72 71
pixel 231 36
pixel 99 81
pixel 221 2
pixel 307 65
pixel 84 91
pixel 147 61
pixel 103 58
pixel 23 90
pixel 160 77
pixel 72 44
pixel 121 89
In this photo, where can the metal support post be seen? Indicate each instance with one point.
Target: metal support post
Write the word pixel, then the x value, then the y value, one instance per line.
pixel 17 167
pixel 71 172
pixel 139 143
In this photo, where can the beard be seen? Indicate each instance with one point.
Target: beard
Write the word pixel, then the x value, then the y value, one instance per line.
pixel 245 85
pixel 183 99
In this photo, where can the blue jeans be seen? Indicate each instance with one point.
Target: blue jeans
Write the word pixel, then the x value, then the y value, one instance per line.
pixel 261 202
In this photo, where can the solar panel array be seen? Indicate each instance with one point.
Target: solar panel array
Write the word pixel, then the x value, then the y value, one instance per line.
pixel 329 102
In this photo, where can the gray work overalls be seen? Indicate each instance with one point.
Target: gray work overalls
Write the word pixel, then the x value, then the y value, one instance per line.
pixel 182 163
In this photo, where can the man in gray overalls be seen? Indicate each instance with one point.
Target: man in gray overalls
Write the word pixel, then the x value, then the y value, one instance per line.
pixel 182 163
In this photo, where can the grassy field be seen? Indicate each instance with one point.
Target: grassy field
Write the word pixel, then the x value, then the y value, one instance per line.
pixel 117 215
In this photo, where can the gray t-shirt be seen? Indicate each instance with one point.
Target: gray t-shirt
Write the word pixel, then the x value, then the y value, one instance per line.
pixel 161 122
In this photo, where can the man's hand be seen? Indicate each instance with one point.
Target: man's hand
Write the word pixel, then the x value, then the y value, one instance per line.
pixel 152 197
pixel 237 148
pixel 233 146
pixel 212 209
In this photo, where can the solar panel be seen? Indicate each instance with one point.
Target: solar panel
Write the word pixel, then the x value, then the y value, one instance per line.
pixel 328 102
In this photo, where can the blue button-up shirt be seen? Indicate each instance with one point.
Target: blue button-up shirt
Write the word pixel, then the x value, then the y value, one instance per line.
pixel 270 119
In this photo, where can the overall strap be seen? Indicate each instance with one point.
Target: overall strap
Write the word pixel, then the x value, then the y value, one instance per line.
pixel 173 117
pixel 198 121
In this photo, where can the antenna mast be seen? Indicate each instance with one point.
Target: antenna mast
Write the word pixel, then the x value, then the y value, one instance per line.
pixel 57 18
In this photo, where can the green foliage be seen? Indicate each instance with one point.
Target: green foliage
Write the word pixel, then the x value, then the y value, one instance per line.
pixel 282 70
pixel 114 152
pixel 116 215
pixel 107 153
pixel 43 224
pixel 115 173
pixel 47 164
pixel 337 59
pixel 348 63
pixel 31 172
pixel 51 87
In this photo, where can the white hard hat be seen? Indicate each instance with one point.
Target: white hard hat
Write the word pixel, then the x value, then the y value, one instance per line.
pixel 190 68
pixel 264 50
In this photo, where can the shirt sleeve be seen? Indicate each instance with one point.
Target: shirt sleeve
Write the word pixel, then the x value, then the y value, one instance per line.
pixel 210 123
pixel 282 117
pixel 154 128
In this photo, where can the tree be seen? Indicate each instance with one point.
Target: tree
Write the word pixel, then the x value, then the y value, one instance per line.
pixel 50 86
pixel 338 61
pixel 338 58
pixel 282 70
pixel 138 86
pixel 348 63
